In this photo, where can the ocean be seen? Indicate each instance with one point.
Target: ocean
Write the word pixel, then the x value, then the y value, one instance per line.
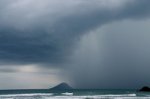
pixel 73 94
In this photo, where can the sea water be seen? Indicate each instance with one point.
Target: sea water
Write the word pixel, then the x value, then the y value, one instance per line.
pixel 76 94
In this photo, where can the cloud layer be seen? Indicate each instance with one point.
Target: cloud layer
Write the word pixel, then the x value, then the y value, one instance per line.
pixel 48 32
pixel 45 32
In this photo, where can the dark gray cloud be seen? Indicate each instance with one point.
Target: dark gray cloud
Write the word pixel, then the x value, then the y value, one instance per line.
pixel 43 33
pixel 7 70
pixel 45 41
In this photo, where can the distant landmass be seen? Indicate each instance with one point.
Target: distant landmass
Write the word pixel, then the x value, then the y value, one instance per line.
pixel 62 86
pixel 145 89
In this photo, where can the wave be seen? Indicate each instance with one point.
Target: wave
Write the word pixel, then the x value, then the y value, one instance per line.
pixel 96 97
pixel 109 96
pixel 26 95
pixel 67 94
pixel 120 95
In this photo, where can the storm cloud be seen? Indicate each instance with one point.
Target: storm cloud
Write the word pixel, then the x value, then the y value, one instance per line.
pixel 49 32
pixel 31 32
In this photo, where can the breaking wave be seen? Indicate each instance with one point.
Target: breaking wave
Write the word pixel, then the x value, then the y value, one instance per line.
pixel 68 95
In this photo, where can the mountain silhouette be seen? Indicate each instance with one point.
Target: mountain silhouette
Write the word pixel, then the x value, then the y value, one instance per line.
pixel 62 86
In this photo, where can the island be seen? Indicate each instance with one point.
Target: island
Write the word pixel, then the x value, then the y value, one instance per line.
pixel 145 89
pixel 62 86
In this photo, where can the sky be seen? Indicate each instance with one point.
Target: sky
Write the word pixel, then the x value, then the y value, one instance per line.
pixel 86 43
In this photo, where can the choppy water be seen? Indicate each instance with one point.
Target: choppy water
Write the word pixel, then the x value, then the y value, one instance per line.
pixel 78 94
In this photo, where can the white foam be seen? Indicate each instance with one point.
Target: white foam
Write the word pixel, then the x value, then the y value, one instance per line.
pixel 67 93
pixel 27 95
pixel 96 97
pixel 120 95
pixel 110 96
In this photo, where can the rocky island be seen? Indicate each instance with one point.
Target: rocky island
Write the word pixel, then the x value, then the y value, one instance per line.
pixel 145 89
